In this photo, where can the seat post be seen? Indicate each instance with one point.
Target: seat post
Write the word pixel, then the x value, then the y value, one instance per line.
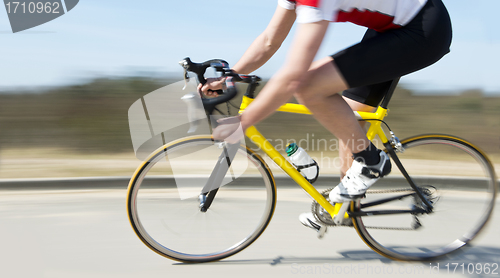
pixel 389 93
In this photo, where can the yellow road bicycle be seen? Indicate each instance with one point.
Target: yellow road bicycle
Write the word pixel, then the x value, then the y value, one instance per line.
pixel 439 196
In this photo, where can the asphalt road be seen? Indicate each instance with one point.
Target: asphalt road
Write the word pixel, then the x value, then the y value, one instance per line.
pixel 77 232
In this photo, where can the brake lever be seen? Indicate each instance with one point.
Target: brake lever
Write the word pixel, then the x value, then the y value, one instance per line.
pixel 186 79
pixel 192 105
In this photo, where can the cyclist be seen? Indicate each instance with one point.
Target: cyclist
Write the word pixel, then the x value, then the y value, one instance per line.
pixel 403 36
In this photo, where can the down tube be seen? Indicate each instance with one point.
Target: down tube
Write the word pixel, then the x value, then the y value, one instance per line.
pixel 262 142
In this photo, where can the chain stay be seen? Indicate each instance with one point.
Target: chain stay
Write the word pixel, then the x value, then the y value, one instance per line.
pixel 323 217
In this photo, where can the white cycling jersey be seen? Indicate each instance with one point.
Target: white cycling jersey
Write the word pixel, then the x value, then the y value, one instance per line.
pixel 379 15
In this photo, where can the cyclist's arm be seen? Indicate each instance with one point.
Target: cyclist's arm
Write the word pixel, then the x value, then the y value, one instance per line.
pixel 267 43
pixel 281 87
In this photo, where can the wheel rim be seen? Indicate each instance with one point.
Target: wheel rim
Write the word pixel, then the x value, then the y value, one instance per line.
pixel 474 187
pixel 241 211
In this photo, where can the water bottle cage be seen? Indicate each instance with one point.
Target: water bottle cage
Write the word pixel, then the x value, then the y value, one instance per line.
pixel 300 167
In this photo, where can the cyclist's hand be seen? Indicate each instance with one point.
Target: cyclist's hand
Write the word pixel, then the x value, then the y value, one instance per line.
pixel 212 84
pixel 229 130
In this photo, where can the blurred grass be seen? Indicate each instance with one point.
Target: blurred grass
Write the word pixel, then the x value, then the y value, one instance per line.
pixel 90 122
pixel 84 118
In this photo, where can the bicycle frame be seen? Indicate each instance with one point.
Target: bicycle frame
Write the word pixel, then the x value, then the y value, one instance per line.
pixel 420 199
pixel 375 129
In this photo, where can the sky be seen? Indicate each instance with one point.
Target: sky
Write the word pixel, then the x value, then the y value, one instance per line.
pixel 120 38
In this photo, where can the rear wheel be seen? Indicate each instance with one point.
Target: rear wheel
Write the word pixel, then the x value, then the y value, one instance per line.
pixel 165 210
pixel 457 178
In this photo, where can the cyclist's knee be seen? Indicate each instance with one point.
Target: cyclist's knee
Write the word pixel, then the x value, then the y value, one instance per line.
pixel 308 98
pixel 320 82
pixel 306 93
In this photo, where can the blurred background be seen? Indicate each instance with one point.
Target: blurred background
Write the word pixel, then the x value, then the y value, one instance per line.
pixel 65 90
pixel 66 86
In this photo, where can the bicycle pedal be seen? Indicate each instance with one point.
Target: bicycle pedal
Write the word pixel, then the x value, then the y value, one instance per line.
pixel 339 218
pixel 321 232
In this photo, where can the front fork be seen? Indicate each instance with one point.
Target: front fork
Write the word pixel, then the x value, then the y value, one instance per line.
pixel 213 183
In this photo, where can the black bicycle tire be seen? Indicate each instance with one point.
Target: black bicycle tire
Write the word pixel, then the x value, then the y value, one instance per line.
pixel 377 247
pixel 197 259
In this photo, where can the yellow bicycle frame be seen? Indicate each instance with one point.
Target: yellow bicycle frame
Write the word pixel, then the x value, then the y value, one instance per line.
pixel 375 130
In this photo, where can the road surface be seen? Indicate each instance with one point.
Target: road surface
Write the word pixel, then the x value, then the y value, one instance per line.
pixel 80 232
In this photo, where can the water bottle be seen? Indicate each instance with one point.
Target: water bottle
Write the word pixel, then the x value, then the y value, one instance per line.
pixel 303 162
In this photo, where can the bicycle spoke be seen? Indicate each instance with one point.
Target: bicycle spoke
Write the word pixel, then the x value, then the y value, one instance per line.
pixel 173 225
pixel 462 200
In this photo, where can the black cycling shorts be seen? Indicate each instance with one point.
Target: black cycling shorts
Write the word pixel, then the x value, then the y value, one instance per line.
pixel 370 66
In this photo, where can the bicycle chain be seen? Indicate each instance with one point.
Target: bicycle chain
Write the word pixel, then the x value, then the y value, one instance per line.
pixel 325 218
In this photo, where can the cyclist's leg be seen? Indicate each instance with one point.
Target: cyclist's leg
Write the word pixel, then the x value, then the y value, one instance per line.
pixel 385 56
pixel 344 152
pixel 366 67
pixel 365 99
pixel 331 110
pixel 379 58
pixel 320 93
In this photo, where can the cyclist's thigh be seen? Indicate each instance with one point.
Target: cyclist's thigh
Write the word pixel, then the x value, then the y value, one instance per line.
pixel 359 106
pixel 367 96
pixel 322 79
pixel 370 65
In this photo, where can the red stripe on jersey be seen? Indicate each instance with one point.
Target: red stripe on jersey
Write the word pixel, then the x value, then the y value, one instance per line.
pixel 373 20
pixel 310 3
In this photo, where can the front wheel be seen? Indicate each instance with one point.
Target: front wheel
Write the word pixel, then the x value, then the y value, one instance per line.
pixel 455 176
pixel 163 202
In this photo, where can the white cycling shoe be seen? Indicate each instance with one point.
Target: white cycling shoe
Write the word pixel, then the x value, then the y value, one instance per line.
pixel 307 219
pixel 359 178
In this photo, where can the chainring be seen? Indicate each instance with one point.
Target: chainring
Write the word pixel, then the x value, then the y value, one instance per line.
pixel 323 216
